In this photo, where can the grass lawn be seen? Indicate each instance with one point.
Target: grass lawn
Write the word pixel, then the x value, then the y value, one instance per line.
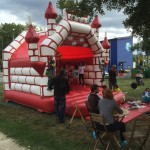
pixel 40 131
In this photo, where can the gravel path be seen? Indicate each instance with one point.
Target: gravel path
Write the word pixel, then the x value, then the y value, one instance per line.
pixel 9 144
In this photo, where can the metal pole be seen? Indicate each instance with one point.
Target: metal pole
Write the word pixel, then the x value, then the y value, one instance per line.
pixel 13 33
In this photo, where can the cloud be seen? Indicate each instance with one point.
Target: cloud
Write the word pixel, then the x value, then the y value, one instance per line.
pixel 17 11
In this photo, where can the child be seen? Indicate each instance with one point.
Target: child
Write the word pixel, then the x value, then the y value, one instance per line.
pixel 116 88
pixel 146 95
pixel 75 75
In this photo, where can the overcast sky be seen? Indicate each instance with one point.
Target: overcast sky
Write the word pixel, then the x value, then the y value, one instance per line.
pixel 17 11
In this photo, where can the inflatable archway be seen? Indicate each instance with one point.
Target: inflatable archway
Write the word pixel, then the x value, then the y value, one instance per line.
pixel 26 59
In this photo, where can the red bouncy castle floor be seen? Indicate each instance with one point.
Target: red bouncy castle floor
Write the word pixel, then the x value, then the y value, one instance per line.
pixel 77 94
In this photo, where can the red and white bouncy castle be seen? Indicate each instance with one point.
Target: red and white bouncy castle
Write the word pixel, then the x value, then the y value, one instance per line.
pixel 26 60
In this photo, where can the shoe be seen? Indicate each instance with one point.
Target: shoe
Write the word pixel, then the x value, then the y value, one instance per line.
pixel 94 135
pixel 123 143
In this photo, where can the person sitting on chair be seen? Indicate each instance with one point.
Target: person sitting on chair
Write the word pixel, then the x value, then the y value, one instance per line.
pixel 93 99
pixel 146 95
pixel 107 106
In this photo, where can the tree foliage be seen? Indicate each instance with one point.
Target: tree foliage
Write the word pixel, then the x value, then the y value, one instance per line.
pixel 138 12
pixel 9 31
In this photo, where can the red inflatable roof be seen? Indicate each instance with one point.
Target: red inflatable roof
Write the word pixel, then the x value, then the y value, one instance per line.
pixel 74 52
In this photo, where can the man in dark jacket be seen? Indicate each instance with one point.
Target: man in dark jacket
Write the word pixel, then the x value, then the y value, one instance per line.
pixel 112 77
pixel 93 99
pixel 61 88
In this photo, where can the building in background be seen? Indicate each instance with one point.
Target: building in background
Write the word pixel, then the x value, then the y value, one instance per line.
pixel 120 53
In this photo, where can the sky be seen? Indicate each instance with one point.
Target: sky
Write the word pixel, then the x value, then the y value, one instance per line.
pixel 18 11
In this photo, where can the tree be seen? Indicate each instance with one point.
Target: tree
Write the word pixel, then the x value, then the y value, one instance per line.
pixel 137 11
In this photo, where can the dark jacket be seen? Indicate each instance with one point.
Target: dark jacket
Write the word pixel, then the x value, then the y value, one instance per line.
pixel 112 76
pixel 93 100
pixel 61 86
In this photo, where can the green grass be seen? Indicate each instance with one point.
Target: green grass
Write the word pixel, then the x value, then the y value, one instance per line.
pixel 40 131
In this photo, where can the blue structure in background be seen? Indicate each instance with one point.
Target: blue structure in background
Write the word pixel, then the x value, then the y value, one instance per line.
pixel 120 53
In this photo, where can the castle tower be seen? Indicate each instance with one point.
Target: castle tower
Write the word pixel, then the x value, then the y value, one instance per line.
pixel 96 25
pixel 32 39
pixel 50 15
pixel 106 45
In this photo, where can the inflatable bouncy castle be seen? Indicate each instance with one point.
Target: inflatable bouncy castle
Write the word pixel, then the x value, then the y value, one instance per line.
pixel 72 40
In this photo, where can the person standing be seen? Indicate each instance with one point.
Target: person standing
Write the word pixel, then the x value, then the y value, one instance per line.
pixel 61 88
pixel 81 73
pixel 75 75
pixel 112 77
pixel 93 99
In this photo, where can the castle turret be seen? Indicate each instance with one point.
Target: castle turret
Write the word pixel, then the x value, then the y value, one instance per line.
pixel 32 39
pixel 106 45
pixel 51 15
pixel 96 25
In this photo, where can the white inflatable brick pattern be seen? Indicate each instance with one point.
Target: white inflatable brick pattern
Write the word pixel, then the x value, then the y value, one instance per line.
pixel 51 32
pixel 92 40
pixel 6 86
pixel 65 24
pixel 6 56
pixel 22 79
pixel 15 44
pixel 18 71
pixel 46 51
pixel 34 59
pixel 88 81
pixel 80 28
pixel 53 45
pixel 96 67
pixel 49 21
pixel 44 59
pixel 30 80
pixel 86 74
pixel 42 81
pixel 18 87
pixel 5 71
pixel 26 88
pixel 35 90
pixel 57 38
pixel 30 52
pixel 14 79
pixel 32 46
pixel 26 71
pixel 7 49
pixel 92 75
pixel 12 51
pixel 98 75
pixel 47 93
pixel 5 79
pixel 5 64
pixel 19 38
pixel 46 42
pixel 89 67
pixel 22 41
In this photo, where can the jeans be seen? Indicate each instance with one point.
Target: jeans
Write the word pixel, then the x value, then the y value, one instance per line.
pixel 81 79
pixel 60 107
